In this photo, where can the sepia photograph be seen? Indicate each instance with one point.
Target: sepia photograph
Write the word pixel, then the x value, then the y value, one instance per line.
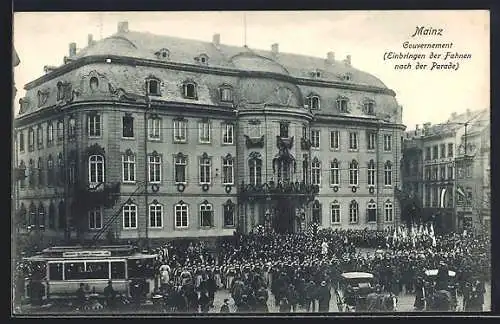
pixel 250 163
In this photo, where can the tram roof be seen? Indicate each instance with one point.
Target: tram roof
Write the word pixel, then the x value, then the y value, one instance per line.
pixel 82 252
pixel 78 248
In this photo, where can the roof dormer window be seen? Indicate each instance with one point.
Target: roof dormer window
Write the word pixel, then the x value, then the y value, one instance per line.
pixel 347 77
pixel 342 104
pixel 202 59
pixel 163 54
pixel 313 102
pixel 226 93
pixel 153 87
pixel 316 74
pixel 189 90
pixel 369 107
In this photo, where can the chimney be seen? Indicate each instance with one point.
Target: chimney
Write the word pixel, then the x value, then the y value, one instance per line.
pixel 72 49
pixel 123 27
pixel 216 40
pixel 90 40
pixel 330 57
pixel 426 125
pixel 275 49
pixel 416 127
pixel 468 112
pixel 49 68
pixel 348 60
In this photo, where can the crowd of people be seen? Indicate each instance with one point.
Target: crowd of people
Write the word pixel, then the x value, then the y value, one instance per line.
pixel 299 269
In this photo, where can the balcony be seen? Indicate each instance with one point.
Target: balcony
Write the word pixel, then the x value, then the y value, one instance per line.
pixel 254 142
pixel 273 190
pixel 305 144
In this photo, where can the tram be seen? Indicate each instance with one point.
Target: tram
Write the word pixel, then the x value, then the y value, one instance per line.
pixel 58 271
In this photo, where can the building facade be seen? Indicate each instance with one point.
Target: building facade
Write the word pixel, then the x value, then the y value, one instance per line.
pixel 139 136
pixel 451 185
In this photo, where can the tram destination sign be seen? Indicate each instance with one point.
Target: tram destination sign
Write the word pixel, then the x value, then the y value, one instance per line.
pixel 74 254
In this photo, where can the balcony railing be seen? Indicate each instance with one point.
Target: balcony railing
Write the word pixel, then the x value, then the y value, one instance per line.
pixel 272 189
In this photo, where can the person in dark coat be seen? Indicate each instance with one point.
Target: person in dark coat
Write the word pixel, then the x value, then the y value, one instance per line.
pixel 310 296
pixel 211 288
pixel 261 306
pixel 324 297
pixel 110 294
pixel 225 307
pixel 204 302
pixel 80 295
pixel 285 306
pixel 419 294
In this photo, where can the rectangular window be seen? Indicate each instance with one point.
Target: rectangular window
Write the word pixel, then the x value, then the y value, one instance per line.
pixel 205 170
pixel 130 216
pixel 284 130
pixel 128 126
pixel 128 162
pixel 255 172
pixel 353 141
pixel 450 149
pixel 427 153
pixel 154 128
pixel 97 270
pixel 443 150
pixel 227 171
pixel 372 140
pixel 335 140
pixel 335 214
pixel 56 271
pixel 315 138
pixel 180 169
pixel 388 175
pixel 155 215
pixel 371 213
pixel 60 131
pixel 228 216
pixel 154 168
pixel 435 152
pixel 95 218
pixel 74 271
pixel 442 172
pixel 334 174
pixel 316 173
pixel 204 132
pixel 94 125
pixel 434 173
pixel 342 105
pixel 181 216
pixel 353 174
pixel 226 95
pixel 388 212
pixel 427 173
pixel 180 131
pixel 387 143
pixel 21 141
pixel 206 215
pixel 117 270
pixel 39 136
pixel 450 172
pixel 371 174
pixel 228 134
pixel 50 134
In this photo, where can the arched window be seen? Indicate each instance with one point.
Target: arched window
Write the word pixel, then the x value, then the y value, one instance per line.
pixel 60 130
pixel 50 134
pixel 181 211
pixel 205 169
pixel 60 91
pixel 388 211
pixel 153 87
pixel 155 215
pixel 353 173
pixel 316 212
pixel 255 172
pixel 353 212
pixel 371 173
pixel 96 169
pixel 72 128
pixel 21 141
pixel 227 170
pixel 316 171
pixel 313 102
pixel 342 104
pixel 189 90
pixel 52 216
pixel 335 212
pixel 369 107
pixel 31 139
pixel 180 168
pixel 94 83
pixel 154 167
pixel 95 218
pixel 334 173
pixel 40 172
pixel 228 214
pixel 60 169
pixel 130 216
pixel 32 215
pixel 39 136
pixel 388 173
pixel 128 167
pixel 206 214
pixel 40 221
pixel 371 212
pixel 31 176
pixel 50 171
pixel 226 93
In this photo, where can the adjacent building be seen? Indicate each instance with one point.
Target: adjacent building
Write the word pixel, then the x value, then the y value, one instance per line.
pixel 450 184
pixel 139 136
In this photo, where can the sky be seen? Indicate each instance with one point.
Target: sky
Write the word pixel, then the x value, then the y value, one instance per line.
pixel 426 96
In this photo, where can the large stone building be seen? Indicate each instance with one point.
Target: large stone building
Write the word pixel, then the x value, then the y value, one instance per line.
pixel 450 186
pixel 197 139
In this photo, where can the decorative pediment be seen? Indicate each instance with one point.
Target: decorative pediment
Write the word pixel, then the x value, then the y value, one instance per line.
pixel 95 149
pixel 205 155
pixel 229 204
pixel 180 155
pixel 255 156
pixel 284 143
pixel 228 157
pixel 128 152
pixel 283 96
pixel 254 142
pixel 24 105
pixel 43 95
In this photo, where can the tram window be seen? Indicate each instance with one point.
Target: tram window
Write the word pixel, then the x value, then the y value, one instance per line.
pixel 74 270
pixel 118 270
pixel 97 270
pixel 56 271
pixel 140 268
pixel 38 270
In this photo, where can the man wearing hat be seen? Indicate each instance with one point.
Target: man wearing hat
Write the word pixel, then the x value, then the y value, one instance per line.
pixel 110 294
pixel 324 297
pixel 225 306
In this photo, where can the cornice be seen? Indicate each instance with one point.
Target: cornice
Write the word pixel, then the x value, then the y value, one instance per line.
pixel 200 69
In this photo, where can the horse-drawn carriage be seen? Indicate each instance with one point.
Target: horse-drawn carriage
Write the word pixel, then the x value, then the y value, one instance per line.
pixel 438 297
pixel 357 292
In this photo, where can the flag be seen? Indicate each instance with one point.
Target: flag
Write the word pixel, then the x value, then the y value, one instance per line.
pixel 432 230
pixel 425 230
pixel 460 191
pixel 433 241
pixel 443 192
